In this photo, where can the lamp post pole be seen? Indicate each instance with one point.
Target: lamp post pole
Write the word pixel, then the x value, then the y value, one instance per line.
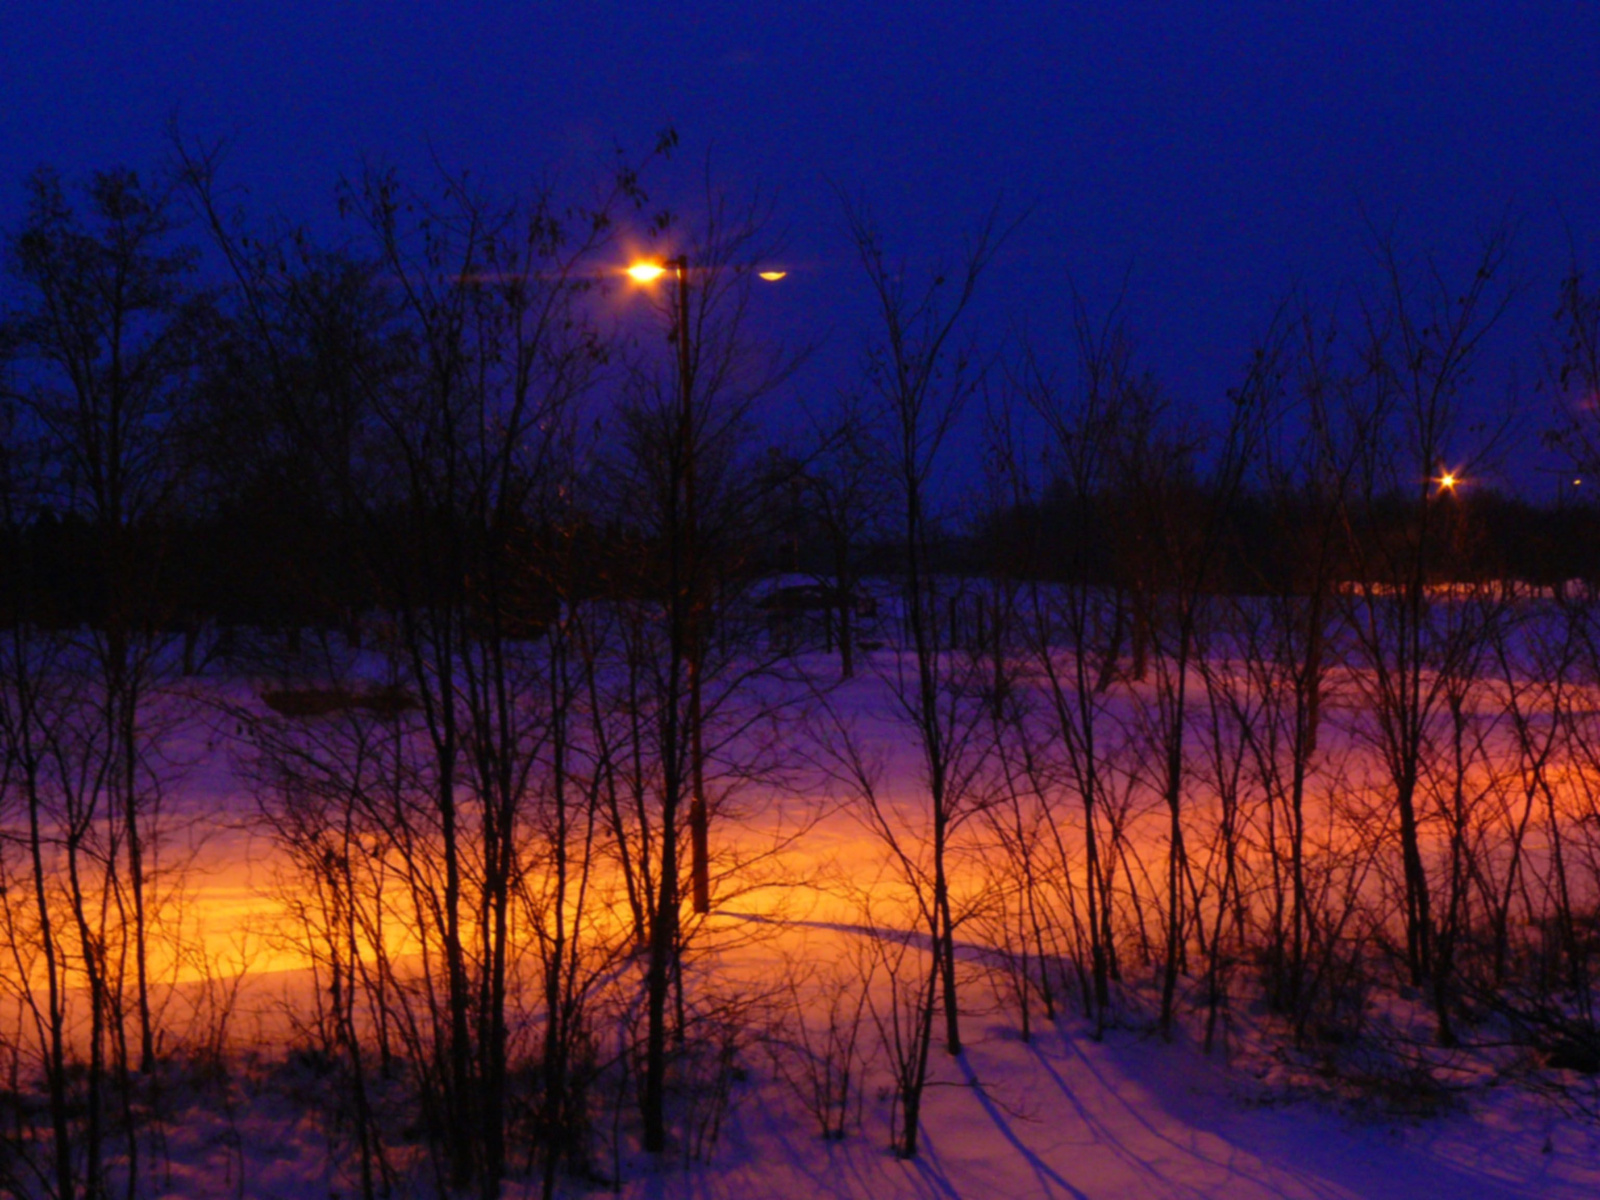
pixel 688 588
pixel 699 819
pixel 688 618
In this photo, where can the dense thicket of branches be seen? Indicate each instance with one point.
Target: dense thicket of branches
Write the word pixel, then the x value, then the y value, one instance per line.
pixel 1262 708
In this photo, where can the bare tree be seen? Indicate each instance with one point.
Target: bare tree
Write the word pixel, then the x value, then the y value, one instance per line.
pixel 1420 344
pixel 919 377
pixel 1065 605
pixel 1287 642
pixel 845 487
pixel 108 336
pixel 38 946
pixel 1180 518
pixel 457 405
pixel 683 498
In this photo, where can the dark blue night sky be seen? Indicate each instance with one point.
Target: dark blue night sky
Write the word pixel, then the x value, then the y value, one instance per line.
pixel 1210 154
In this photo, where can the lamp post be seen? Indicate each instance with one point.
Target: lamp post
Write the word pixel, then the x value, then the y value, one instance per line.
pixel 686 599
pixel 687 589
pixel 687 618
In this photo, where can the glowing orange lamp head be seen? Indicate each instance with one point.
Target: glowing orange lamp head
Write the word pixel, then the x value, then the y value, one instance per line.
pixel 648 271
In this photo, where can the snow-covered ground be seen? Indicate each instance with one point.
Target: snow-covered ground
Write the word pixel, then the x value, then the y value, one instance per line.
pixel 1131 1117
pixel 1061 1114
pixel 1064 1115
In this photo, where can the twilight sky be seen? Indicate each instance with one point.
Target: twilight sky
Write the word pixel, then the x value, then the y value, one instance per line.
pixel 1209 152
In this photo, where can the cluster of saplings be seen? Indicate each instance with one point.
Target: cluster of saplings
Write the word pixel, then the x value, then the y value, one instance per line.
pixel 1195 713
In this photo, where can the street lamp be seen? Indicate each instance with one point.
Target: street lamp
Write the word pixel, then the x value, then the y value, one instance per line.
pixel 686 602
pixel 686 598
pixel 687 652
